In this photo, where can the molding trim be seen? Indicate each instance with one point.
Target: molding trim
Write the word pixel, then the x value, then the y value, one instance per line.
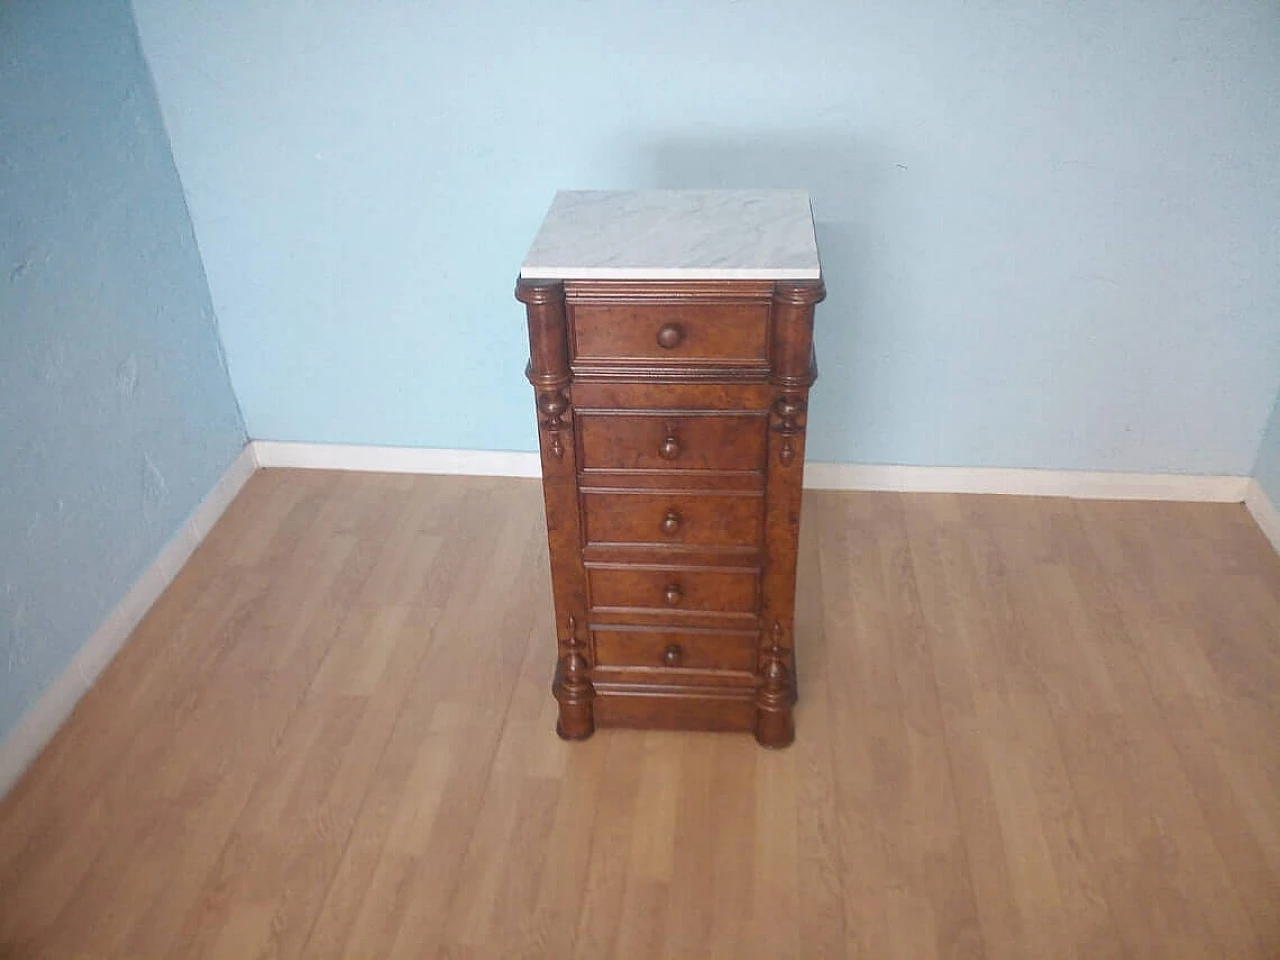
pixel 818 476
pixel 1078 484
pixel 46 715
pixel 1265 513
pixel 369 459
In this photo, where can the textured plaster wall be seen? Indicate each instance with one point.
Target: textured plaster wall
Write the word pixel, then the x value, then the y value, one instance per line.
pixel 116 412
pixel 1048 229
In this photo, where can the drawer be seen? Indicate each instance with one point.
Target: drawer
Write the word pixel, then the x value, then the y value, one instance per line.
pixel 659 441
pixel 675 649
pixel 694 519
pixel 614 396
pixel 674 590
pixel 680 333
pixel 631 704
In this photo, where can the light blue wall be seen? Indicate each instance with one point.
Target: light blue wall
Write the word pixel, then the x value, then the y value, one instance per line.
pixel 116 414
pixel 1267 469
pixel 1048 229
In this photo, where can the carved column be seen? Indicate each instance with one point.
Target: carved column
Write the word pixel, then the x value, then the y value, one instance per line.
pixel 775 694
pixel 573 689
pixel 792 372
pixel 551 377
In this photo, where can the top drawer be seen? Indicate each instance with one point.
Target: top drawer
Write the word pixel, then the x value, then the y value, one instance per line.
pixel 685 334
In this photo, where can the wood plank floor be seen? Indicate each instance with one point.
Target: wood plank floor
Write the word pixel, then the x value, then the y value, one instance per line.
pixel 1027 728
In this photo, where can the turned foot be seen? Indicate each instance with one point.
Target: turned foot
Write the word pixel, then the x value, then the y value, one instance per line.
pixel 574 692
pixel 581 733
pixel 775 697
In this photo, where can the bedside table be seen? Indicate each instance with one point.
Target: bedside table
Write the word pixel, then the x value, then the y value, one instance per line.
pixel 670 337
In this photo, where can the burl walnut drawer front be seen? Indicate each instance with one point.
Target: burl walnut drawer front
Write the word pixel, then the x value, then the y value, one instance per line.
pixel 649 396
pixel 661 441
pixel 701 519
pixel 675 649
pixel 674 590
pixel 698 333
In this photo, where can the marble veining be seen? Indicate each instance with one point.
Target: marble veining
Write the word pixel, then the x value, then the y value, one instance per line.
pixel 675 235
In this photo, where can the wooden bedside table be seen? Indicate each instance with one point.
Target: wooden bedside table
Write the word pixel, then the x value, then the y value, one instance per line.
pixel 670 337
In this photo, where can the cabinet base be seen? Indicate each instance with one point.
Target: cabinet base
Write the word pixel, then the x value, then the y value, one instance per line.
pixel 656 708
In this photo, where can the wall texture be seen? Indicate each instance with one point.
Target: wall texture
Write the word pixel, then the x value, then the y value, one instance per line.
pixel 1267 469
pixel 116 413
pixel 1048 229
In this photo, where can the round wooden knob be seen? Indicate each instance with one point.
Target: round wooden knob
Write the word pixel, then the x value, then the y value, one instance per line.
pixel 673 594
pixel 670 448
pixel 670 336
pixel 673 656
pixel 671 523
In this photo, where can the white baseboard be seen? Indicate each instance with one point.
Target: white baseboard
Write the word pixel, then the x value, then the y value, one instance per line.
pixel 1265 513
pixel 42 720
pixel 342 456
pixel 818 476
pixel 1079 484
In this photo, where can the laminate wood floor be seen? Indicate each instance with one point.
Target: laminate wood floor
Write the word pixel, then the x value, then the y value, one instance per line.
pixel 1027 728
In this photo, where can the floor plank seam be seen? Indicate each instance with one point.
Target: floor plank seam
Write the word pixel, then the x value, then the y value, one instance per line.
pixel 983 934
pixel 488 776
pixel 364 799
pixel 1152 692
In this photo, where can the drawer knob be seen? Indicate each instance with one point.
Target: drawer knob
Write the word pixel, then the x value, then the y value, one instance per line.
pixel 671 523
pixel 673 594
pixel 670 448
pixel 673 656
pixel 670 336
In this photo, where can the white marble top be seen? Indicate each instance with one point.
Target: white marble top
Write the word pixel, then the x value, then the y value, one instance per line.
pixel 675 235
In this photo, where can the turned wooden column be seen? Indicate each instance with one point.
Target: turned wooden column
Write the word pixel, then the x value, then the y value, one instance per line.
pixel 792 372
pixel 551 378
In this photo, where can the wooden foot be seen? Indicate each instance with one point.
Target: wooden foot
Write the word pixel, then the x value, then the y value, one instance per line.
pixel 573 690
pixel 775 697
pixel 565 735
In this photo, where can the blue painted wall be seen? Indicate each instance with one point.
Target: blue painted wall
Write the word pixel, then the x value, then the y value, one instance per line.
pixel 1267 469
pixel 1048 229
pixel 116 413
